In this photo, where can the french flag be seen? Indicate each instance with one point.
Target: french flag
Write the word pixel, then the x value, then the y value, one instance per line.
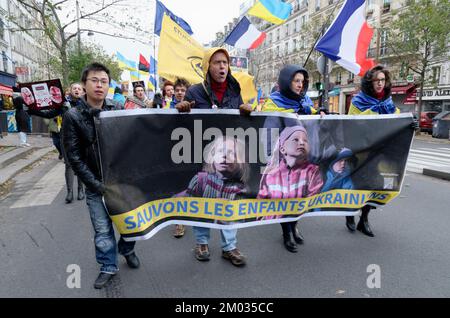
pixel 348 38
pixel 245 36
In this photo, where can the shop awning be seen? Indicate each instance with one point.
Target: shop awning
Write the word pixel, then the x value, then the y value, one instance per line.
pixel 5 90
pixel 402 90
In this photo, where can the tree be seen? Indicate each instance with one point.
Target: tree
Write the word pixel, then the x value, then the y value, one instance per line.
pixel 420 36
pixel 90 53
pixel 52 14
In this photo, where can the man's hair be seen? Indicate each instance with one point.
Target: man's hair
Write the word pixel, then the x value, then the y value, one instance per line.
pixel 136 86
pixel 181 82
pixel 94 67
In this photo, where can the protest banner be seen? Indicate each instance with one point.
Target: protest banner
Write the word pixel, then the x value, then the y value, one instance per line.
pixel 43 94
pixel 221 170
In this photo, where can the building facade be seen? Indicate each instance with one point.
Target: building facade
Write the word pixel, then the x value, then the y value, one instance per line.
pixel 292 43
pixel 25 55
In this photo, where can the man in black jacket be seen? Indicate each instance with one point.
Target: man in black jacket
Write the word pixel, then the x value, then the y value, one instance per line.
pixel 80 144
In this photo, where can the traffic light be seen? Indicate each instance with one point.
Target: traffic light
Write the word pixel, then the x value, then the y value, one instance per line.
pixel 319 86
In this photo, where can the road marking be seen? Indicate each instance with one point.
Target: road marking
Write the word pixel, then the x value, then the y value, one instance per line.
pixel 430 152
pixel 45 190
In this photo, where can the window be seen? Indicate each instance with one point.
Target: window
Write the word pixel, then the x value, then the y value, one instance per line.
pixel 2 29
pixel 383 43
pixel 386 5
pixel 295 45
pixel 317 5
pixel 270 37
pixel 338 78
pixel 436 74
pixel 351 77
pixel 278 35
pixel 286 48
pixel 5 61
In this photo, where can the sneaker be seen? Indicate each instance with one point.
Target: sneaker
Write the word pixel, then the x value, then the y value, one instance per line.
pixel 235 257
pixel 202 252
pixel 132 260
pixel 179 231
pixel 102 280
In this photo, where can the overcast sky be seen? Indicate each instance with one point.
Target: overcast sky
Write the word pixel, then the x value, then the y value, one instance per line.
pixel 206 17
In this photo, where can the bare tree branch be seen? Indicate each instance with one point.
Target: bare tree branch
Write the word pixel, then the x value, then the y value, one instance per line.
pixel 93 12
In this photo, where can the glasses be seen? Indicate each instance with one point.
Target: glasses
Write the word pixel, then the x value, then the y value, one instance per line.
pixel 380 80
pixel 96 81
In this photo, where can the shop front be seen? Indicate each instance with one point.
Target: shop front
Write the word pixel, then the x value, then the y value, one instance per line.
pixel 436 99
pixel 404 97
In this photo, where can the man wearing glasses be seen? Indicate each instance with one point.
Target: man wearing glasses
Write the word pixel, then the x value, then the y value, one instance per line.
pixel 80 144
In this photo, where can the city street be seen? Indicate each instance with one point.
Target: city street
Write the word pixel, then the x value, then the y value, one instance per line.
pixel 40 236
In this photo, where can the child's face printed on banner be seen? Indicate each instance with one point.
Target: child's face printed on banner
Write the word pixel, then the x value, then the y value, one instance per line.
pixel 76 91
pixel 225 159
pixel 297 83
pixel 339 166
pixel 56 94
pixel 27 95
pixel 296 146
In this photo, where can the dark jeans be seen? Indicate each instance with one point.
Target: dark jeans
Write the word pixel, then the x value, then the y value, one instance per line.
pixel 56 137
pixel 104 239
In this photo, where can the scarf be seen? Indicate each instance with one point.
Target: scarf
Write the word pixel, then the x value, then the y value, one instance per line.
pixel 364 102
pixel 219 89
pixel 301 107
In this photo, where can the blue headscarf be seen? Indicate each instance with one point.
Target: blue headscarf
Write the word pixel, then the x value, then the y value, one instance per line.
pixel 301 107
pixel 364 102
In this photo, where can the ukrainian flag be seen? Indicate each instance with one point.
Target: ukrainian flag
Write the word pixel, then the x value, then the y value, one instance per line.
pixel 124 63
pixel 274 11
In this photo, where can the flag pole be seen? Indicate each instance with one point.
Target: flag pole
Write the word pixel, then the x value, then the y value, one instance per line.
pixel 322 32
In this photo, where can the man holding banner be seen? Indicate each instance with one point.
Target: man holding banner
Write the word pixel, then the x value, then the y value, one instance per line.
pixel 219 90
pixel 80 144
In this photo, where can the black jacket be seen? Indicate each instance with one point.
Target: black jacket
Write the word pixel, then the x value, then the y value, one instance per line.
pixel 204 97
pixel 80 142
pixel 22 118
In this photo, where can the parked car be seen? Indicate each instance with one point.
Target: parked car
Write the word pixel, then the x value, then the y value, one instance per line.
pixel 426 121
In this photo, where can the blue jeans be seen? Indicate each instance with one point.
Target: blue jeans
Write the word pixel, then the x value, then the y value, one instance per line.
pixel 228 237
pixel 104 239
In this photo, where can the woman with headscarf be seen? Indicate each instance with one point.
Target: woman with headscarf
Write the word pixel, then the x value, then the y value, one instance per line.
pixel 293 82
pixel 373 99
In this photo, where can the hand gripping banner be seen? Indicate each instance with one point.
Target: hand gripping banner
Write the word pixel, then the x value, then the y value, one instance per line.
pixel 218 169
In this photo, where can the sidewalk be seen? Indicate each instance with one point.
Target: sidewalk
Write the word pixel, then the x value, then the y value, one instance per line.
pixel 14 159
pixel 428 138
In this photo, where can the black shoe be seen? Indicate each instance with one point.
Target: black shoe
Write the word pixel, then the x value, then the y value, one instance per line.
pixel 298 237
pixel 69 197
pixel 289 243
pixel 80 194
pixel 102 280
pixel 132 260
pixel 364 227
pixel 350 223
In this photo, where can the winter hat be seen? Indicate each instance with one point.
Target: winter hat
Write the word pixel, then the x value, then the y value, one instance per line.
pixel 288 131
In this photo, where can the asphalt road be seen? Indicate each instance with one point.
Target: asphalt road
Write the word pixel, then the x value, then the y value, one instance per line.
pixel 38 243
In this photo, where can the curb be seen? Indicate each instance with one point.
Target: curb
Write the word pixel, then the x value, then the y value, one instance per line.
pixel 15 168
pixel 437 174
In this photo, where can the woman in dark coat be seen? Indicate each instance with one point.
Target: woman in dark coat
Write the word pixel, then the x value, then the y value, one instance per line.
pixel 22 120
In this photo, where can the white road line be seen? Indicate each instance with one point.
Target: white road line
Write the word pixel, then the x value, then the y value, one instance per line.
pixel 432 152
pixel 45 190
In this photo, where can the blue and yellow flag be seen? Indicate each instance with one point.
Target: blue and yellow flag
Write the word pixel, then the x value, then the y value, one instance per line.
pixel 274 11
pixel 125 64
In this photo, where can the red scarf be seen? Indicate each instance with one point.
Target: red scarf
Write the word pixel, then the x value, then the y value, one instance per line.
pixel 379 95
pixel 219 89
